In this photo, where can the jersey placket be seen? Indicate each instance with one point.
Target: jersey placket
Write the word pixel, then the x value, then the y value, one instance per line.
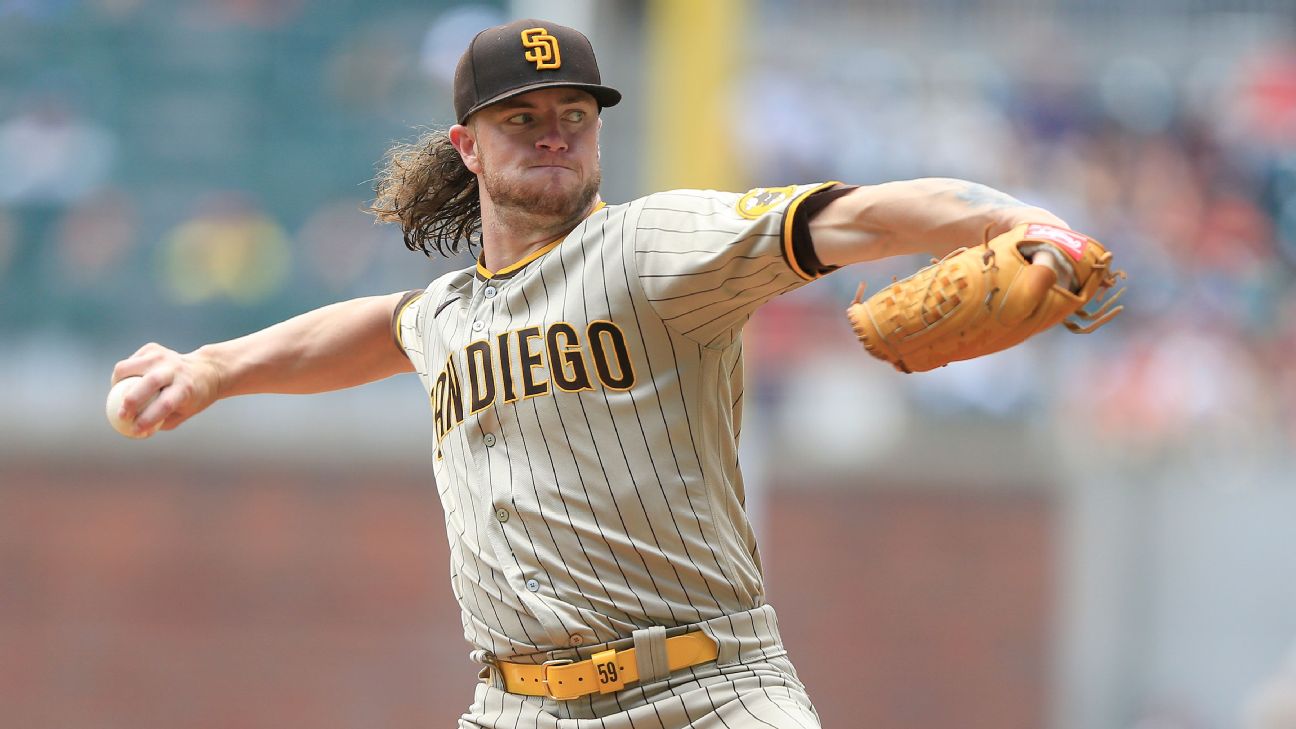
pixel 490 457
pixel 482 434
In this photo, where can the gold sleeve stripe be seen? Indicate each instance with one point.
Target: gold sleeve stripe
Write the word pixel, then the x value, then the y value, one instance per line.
pixel 487 273
pixel 406 300
pixel 788 251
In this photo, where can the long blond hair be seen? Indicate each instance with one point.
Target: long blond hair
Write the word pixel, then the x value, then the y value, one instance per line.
pixel 425 187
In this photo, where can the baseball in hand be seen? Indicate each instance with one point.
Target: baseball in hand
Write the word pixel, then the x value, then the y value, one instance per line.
pixel 115 397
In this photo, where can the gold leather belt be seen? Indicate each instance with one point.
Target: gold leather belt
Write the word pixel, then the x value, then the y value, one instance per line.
pixel 603 672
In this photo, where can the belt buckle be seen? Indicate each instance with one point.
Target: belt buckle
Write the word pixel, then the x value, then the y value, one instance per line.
pixel 544 678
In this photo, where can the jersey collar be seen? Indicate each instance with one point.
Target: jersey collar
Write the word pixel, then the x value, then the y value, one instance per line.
pixel 513 268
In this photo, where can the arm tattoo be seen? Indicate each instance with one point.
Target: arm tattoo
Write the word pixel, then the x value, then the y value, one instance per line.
pixel 978 195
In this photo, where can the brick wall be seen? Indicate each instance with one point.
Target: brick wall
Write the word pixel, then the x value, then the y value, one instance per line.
pixel 183 598
pixel 914 610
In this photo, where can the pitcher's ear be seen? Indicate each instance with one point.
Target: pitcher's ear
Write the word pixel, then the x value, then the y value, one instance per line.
pixel 461 137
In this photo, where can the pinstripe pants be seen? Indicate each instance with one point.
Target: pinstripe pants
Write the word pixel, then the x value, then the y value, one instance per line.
pixel 752 685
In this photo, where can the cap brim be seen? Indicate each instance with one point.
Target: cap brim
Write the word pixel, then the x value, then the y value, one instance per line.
pixel 605 95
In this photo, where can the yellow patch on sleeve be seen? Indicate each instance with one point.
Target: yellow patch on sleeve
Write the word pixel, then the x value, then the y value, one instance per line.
pixel 761 200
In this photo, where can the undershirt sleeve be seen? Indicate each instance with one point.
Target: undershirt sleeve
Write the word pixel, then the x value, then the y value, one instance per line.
pixel 802 246
pixel 399 334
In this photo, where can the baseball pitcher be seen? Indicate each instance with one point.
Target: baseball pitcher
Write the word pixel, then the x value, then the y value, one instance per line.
pixel 585 381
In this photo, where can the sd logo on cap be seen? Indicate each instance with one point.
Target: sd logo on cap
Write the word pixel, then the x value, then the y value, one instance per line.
pixel 544 51
pixel 524 55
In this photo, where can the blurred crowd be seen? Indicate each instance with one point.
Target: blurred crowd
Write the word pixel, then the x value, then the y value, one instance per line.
pixel 1182 162
pixel 189 171
pixel 224 189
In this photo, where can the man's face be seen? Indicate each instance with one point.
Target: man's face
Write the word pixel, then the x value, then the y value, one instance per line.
pixel 537 152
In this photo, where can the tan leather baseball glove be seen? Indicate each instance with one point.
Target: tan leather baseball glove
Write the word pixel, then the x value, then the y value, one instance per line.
pixel 984 299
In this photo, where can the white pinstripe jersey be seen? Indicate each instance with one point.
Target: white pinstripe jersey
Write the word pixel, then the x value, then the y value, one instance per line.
pixel 587 403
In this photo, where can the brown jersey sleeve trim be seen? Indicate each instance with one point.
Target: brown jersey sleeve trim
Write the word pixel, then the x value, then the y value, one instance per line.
pixel 797 248
pixel 409 298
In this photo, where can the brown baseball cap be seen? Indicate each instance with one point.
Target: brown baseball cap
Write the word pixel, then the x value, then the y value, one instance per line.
pixel 522 56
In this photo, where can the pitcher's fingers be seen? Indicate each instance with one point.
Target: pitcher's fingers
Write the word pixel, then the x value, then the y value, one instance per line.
pixel 156 411
pixel 136 396
pixel 129 367
pixel 1023 297
pixel 152 348
pixel 144 359
pixel 1053 259
pixel 173 421
pixel 148 390
pixel 170 399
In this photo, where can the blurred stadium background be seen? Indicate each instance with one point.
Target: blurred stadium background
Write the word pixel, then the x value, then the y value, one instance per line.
pixel 1083 533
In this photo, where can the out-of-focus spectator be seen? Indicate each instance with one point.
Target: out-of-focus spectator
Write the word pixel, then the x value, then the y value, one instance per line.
pixel 94 238
pixel 449 34
pixel 774 131
pixel 96 273
pixel 47 10
pixel 51 156
pixel 1002 385
pixel 118 9
pixel 1173 382
pixel 835 417
pixel 364 71
pixel 1269 93
pixel 228 250
pixel 248 13
pixel 338 244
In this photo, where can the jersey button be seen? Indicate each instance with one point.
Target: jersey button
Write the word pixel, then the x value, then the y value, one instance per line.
pixel 489 440
pixel 478 326
pixel 533 585
pixel 489 292
pixel 502 514
pixel 576 640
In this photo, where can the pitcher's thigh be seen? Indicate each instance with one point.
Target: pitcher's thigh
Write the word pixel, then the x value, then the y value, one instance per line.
pixel 754 696
pixel 770 708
